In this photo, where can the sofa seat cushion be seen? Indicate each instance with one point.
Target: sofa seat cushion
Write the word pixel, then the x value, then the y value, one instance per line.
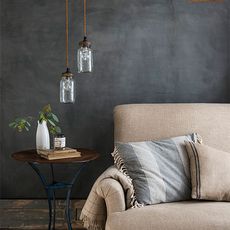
pixel 185 215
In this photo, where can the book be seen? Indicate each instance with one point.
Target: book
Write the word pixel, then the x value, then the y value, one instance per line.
pixel 53 154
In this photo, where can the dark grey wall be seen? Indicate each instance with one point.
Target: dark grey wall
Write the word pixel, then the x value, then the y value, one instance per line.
pixel 145 51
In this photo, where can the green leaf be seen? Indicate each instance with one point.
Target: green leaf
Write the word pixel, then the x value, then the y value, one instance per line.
pixel 18 119
pixel 12 124
pixel 28 124
pixel 47 108
pixel 52 132
pixel 58 129
pixel 21 123
pixel 49 115
pixel 42 117
pixel 55 117
pixel 51 122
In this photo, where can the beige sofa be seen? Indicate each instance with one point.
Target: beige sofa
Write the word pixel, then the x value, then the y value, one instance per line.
pixel 140 122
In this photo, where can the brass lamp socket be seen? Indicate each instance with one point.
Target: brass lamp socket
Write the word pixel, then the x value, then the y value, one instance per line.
pixel 85 43
pixel 67 73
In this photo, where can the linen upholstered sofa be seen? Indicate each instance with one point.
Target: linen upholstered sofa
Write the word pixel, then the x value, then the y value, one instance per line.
pixel 141 122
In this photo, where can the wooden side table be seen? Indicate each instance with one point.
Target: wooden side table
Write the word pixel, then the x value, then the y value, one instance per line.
pixel 34 160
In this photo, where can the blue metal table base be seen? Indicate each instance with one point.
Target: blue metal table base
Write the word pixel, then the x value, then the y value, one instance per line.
pixel 50 191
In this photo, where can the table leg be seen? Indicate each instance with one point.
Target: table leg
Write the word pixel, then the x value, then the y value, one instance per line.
pixel 54 209
pixel 50 208
pixel 49 195
pixel 50 191
pixel 54 197
pixel 68 217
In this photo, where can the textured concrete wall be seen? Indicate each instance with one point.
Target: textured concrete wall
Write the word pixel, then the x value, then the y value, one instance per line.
pixel 145 51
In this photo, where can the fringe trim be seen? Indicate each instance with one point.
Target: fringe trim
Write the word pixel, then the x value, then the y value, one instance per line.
pixel 197 138
pixel 119 162
pixel 91 224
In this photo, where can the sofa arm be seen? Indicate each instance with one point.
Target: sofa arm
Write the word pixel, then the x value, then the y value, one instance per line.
pixel 113 194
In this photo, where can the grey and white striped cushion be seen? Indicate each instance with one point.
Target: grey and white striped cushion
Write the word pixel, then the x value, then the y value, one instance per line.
pixel 159 169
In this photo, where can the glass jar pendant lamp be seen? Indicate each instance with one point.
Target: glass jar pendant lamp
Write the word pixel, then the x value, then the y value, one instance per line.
pixel 67 87
pixel 85 53
pixel 67 83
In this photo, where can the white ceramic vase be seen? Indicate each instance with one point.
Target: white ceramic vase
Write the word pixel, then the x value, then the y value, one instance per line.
pixel 42 136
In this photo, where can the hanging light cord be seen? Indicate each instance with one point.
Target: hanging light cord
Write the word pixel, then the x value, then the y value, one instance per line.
pixel 67 31
pixel 85 18
pixel 72 14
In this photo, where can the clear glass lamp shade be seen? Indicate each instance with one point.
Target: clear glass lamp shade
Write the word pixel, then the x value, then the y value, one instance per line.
pixel 67 90
pixel 85 60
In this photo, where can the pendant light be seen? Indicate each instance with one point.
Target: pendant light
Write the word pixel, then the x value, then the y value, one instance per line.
pixel 67 83
pixel 85 53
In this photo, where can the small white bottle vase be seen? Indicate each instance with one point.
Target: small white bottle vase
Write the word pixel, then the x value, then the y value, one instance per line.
pixel 42 136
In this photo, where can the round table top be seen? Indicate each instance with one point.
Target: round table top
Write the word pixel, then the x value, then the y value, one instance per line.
pixel 31 156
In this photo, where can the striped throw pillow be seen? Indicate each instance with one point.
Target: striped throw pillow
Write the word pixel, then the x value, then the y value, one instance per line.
pixel 159 170
pixel 210 172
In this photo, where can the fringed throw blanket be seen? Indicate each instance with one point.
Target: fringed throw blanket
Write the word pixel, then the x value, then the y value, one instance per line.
pixel 94 211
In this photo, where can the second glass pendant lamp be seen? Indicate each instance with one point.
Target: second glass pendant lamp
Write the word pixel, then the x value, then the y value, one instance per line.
pixel 85 57
pixel 85 53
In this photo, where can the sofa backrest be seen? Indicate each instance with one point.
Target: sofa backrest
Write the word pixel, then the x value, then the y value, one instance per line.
pixel 139 122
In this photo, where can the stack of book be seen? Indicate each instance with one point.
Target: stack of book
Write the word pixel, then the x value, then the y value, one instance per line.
pixel 53 154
